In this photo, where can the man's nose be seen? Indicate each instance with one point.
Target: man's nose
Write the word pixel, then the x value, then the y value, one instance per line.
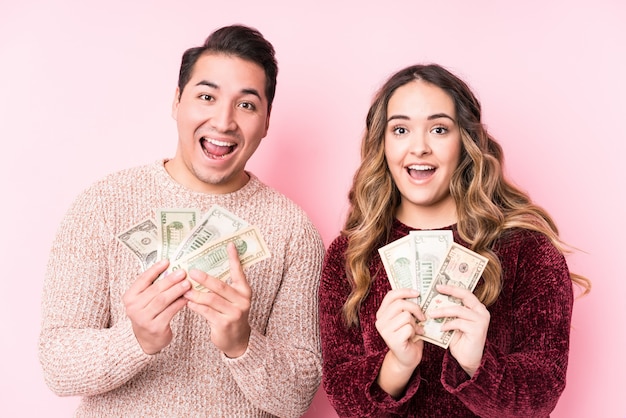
pixel 222 118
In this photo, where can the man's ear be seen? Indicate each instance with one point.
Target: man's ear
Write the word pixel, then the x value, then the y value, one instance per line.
pixel 175 103
pixel 267 121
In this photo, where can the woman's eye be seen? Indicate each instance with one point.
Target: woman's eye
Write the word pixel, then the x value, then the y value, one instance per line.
pixel 399 130
pixel 439 130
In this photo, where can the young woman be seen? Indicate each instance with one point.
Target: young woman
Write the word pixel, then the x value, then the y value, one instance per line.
pixel 428 163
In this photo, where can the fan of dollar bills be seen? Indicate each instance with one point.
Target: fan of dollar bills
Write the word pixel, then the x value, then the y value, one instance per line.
pixel 423 259
pixel 192 241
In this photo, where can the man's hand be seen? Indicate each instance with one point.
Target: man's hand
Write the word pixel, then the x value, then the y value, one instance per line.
pixel 151 306
pixel 225 307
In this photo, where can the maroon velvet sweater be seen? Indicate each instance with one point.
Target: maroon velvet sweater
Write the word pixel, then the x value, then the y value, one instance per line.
pixel 524 364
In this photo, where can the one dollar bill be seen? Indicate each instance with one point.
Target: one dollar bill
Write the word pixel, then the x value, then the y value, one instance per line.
pixel 143 241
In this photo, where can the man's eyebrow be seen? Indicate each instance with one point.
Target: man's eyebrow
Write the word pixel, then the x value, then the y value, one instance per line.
pixel 207 83
pixel 253 92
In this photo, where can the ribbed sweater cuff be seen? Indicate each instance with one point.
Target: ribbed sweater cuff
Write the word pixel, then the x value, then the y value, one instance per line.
pixel 245 363
pixel 129 348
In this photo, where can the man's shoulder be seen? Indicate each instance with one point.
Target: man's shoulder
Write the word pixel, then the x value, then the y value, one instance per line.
pixel 278 212
pixel 275 200
pixel 127 181
pixel 134 173
pixel 139 174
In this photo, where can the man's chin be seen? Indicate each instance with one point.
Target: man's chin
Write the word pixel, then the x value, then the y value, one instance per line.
pixel 222 182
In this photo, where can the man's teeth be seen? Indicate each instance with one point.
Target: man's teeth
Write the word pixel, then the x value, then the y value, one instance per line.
pixel 421 167
pixel 220 143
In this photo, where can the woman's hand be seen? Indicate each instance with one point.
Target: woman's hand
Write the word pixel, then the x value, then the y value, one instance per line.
pixel 397 322
pixel 471 322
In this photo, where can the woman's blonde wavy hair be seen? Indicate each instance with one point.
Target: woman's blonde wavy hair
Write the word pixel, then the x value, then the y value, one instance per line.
pixel 486 203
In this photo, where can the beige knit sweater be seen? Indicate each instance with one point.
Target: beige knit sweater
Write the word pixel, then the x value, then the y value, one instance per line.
pixel 87 347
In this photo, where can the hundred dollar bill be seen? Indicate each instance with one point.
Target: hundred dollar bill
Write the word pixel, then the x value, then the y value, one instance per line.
pixel 142 239
pixel 173 225
pixel 461 267
pixel 399 262
pixel 217 223
pixel 430 248
pixel 212 258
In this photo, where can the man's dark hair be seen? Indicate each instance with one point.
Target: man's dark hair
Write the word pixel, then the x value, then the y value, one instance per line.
pixel 240 41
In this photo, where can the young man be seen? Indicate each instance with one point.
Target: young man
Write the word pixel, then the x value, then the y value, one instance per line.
pixel 132 345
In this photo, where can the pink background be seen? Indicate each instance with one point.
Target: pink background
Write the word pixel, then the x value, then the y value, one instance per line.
pixel 86 88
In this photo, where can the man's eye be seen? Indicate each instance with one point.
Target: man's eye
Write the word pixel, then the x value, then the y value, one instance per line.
pixel 206 97
pixel 248 105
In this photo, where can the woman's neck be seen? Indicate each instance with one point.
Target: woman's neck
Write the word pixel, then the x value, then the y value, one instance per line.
pixel 427 217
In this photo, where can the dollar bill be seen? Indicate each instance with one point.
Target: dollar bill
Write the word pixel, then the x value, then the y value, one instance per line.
pixel 399 260
pixel 461 267
pixel 430 248
pixel 212 257
pixel 142 239
pixel 215 224
pixel 173 225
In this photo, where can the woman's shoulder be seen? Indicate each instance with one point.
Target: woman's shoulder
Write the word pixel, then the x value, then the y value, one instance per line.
pixel 523 238
pixel 528 247
pixel 338 245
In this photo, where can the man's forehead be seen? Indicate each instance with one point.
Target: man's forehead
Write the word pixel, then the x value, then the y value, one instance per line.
pixel 222 71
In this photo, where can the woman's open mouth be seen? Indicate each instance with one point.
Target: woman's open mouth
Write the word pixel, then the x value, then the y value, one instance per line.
pixel 419 172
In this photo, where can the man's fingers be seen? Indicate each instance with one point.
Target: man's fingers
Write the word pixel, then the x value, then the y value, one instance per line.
pixel 145 279
pixel 135 296
pixel 236 284
pixel 168 313
pixel 236 269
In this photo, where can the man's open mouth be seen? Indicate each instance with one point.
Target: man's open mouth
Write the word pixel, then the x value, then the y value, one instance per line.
pixel 214 148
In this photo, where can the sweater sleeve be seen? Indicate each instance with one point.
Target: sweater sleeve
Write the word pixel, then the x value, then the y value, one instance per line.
pixel 351 365
pixel 80 351
pixel 280 371
pixel 528 379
